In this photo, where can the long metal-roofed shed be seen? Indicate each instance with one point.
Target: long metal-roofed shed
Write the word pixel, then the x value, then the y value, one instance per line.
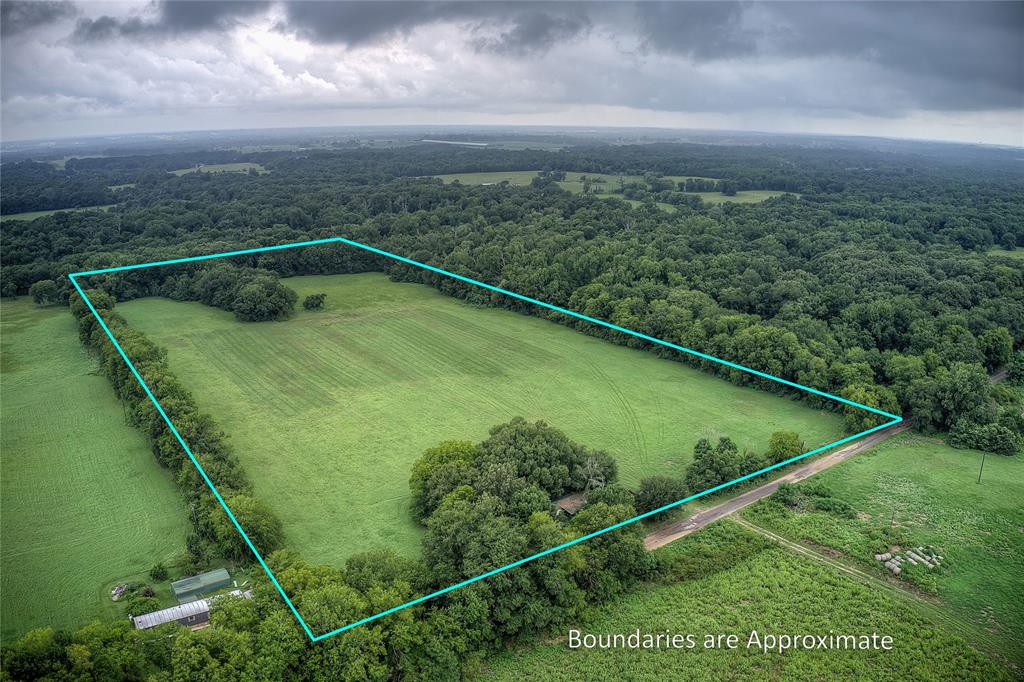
pixel 190 589
pixel 193 614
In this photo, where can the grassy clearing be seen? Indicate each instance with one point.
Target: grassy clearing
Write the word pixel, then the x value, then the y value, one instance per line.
pixel 222 168
pixel 518 178
pixel 602 183
pixel 328 410
pixel 1000 251
pixel 751 585
pixel 916 490
pixel 607 186
pixel 32 215
pixel 85 505
pixel 753 196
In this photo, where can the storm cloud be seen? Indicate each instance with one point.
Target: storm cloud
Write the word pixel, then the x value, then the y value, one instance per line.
pixel 869 66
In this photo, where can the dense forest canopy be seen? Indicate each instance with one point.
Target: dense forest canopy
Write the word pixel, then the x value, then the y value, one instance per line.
pixel 886 277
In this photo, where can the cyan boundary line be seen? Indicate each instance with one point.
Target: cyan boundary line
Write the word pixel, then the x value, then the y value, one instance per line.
pixel 73 277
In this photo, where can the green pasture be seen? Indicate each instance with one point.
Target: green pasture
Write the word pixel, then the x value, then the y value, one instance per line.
pixel 606 185
pixel 32 215
pixel 85 504
pixel 752 196
pixel 741 589
pixel 1006 253
pixel 222 168
pixel 328 410
pixel 926 492
pixel 520 178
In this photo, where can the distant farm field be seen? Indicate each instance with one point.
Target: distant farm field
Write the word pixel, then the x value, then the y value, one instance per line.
pixel 928 492
pixel 520 178
pixel 85 504
pixel 328 410
pixel 606 185
pixel 1007 253
pixel 222 168
pixel 768 590
pixel 752 196
pixel 32 215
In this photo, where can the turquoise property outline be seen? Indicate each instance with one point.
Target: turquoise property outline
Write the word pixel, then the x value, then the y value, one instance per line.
pixel 341 240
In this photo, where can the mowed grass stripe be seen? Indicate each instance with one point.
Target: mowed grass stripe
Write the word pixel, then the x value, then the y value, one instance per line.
pixel 328 410
pixel 84 502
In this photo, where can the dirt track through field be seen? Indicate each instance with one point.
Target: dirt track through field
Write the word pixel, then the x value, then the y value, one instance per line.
pixel 673 530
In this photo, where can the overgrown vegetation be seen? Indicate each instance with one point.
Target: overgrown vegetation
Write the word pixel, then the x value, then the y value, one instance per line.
pixel 914 491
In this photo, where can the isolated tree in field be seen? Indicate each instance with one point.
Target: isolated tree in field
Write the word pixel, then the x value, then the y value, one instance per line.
pixel 314 301
pixel 657 491
pixel 44 292
pixel 263 299
pixel 783 445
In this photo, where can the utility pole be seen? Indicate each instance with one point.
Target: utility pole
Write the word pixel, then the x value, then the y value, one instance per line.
pixel 982 465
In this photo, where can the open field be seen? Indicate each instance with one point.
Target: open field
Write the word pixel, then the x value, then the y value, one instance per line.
pixel 740 584
pixel 85 504
pixel 751 196
pixel 919 491
pixel 32 215
pixel 328 410
pixel 1000 251
pixel 605 185
pixel 222 168
pixel 520 178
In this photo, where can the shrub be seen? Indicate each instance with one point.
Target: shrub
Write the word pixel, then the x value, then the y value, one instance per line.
pixel 44 292
pixel 314 301
pixel 138 605
pixel 995 438
pixel 158 572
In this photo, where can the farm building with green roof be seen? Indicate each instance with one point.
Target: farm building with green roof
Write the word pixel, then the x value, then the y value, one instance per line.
pixel 190 589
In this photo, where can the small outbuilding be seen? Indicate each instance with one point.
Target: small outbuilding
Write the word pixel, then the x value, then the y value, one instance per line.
pixel 190 589
pixel 570 504
pixel 194 614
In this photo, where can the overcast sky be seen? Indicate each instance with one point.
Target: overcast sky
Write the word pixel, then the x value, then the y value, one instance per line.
pixel 943 70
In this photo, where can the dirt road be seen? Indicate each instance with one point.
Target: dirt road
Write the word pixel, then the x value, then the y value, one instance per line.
pixel 673 530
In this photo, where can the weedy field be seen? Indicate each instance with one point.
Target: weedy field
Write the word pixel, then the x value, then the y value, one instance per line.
pixel 731 581
pixel 328 410
pixel 914 491
pixel 85 504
